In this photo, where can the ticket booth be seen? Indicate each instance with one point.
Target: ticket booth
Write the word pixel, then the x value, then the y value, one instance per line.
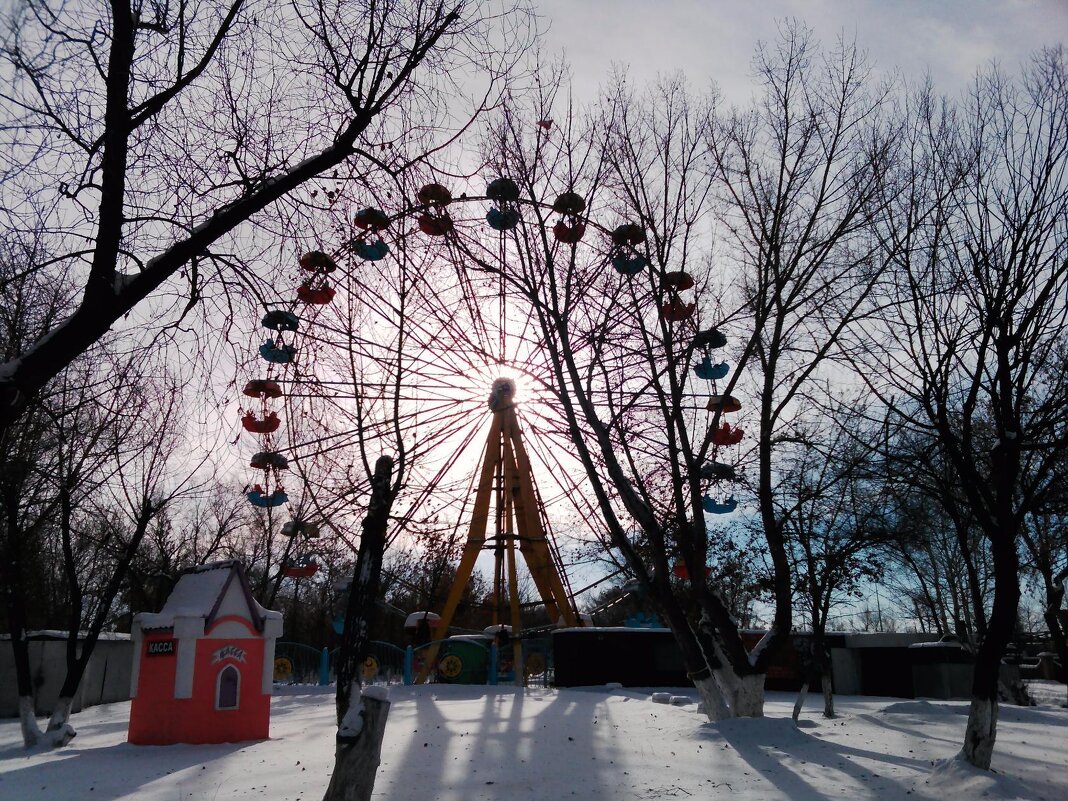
pixel 204 664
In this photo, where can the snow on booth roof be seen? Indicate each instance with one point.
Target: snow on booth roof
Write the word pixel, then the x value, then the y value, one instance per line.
pixel 413 619
pixel 199 593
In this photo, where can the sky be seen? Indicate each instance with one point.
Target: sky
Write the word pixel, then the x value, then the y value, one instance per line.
pixel 715 39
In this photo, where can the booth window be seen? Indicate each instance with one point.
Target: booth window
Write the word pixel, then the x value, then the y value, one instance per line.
pixel 227 688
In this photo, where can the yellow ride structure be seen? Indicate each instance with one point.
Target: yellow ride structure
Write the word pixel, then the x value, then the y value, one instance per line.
pixel 506 478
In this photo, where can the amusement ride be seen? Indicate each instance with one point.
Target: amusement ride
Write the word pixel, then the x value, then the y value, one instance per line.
pixel 298 384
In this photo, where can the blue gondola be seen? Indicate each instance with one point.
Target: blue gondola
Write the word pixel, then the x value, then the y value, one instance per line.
pixel 709 371
pixel 370 251
pixel 278 354
pixel 276 498
pixel 278 320
pixel 629 265
pixel 724 508
pixel 504 220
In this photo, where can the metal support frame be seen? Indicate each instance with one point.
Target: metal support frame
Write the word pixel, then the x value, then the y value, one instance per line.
pixel 506 476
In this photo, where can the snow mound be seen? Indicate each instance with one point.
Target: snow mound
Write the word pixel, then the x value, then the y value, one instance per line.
pixel 922 708
pixel 376 691
pixel 763 732
pixel 955 778
pixel 1046 692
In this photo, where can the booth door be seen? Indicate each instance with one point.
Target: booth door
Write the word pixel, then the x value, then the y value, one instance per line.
pixel 228 688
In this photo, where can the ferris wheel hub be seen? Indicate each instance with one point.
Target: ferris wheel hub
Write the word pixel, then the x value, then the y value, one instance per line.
pixel 501 393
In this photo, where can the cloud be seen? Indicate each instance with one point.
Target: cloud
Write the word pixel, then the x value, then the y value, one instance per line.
pixel 716 39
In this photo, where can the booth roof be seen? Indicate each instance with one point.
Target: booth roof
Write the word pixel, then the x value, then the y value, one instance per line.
pixel 199 592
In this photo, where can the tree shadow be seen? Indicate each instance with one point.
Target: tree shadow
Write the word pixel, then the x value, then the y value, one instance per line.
pixel 799 764
pixel 106 771
pixel 506 745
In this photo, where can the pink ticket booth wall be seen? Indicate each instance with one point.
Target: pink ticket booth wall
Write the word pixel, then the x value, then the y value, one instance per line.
pixel 204 664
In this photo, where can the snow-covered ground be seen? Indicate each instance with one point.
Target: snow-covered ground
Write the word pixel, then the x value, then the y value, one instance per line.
pixel 449 743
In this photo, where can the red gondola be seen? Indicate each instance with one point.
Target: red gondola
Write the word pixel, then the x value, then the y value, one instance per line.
pixel 679 569
pixel 317 261
pixel 265 426
pixel 315 296
pixel 433 225
pixel 726 403
pixel 301 569
pixel 371 219
pixel 678 280
pixel 676 311
pixel 569 234
pixel 434 195
pixel 726 435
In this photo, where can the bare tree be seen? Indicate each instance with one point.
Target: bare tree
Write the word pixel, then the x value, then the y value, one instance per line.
pixel 88 468
pixel 971 356
pixel 1046 546
pixel 945 587
pixel 796 183
pixel 834 523
pixel 151 140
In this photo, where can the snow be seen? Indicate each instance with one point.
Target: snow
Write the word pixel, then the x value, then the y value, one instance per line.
pixel 193 596
pixel 57 634
pixel 413 619
pixel 352 723
pixel 596 744
pixel 379 693
pixel 1046 692
pixel 196 594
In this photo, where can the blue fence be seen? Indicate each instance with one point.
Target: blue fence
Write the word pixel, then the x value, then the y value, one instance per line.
pixel 460 660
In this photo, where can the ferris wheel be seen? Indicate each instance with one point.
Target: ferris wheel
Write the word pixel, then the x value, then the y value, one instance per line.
pixel 389 338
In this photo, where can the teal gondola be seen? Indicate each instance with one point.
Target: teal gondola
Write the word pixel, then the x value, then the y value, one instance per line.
pixel 257 498
pixel 370 251
pixel 629 265
pixel 714 508
pixel 709 371
pixel 277 354
pixel 502 220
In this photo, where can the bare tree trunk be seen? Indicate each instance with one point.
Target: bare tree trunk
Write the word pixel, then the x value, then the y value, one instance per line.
pixel 358 748
pixel 59 730
pixel 357 759
pixel 799 704
pixel 817 670
pixel 821 665
pixel 981 730
pixel 828 693
pixel 15 600
pixel 1051 614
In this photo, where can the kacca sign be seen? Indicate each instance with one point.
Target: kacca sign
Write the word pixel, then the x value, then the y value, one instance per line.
pixel 228 652
pixel 160 648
